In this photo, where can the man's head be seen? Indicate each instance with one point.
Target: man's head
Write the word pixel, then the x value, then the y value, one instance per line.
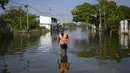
pixel 62 71
pixel 62 30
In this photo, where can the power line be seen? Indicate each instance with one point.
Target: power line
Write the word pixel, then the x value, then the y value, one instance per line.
pixel 38 10
pixel 16 3
pixel 35 9
pixel 30 7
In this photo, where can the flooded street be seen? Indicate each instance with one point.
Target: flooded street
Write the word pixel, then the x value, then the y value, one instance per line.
pixel 88 52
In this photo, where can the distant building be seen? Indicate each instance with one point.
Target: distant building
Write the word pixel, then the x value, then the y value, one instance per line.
pixel 48 22
pixel 125 26
pixel 125 33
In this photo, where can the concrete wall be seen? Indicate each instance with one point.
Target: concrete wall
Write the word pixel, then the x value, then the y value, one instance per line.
pixel 10 27
pixel 45 20
pixel 48 22
pixel 5 28
pixel 46 25
pixel 54 26
pixel 124 26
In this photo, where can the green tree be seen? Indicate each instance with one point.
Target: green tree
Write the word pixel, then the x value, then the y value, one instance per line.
pixel 126 11
pixel 33 23
pixel 82 13
pixel 113 15
pixel 3 3
pixel 69 25
pixel 106 12
pixel 110 14
pixel 14 16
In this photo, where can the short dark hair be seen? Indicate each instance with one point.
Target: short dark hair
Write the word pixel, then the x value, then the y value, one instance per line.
pixel 62 71
pixel 62 30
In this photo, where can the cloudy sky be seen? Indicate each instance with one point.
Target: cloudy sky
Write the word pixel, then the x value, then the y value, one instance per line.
pixel 60 9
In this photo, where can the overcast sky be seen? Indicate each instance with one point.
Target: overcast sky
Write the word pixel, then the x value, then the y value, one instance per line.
pixel 60 9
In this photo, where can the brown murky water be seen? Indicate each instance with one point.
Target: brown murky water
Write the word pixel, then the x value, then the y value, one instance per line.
pixel 88 52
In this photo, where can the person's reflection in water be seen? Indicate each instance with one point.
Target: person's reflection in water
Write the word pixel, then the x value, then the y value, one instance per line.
pixel 63 63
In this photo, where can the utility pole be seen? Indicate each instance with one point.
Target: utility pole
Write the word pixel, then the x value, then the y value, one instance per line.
pixel 26 6
pixel 100 25
pixel 20 18
pixel 105 16
pixel 50 11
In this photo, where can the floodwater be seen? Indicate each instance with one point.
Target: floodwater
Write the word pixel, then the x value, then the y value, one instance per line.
pixel 88 52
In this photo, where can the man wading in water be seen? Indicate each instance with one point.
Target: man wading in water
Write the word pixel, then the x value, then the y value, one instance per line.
pixel 63 41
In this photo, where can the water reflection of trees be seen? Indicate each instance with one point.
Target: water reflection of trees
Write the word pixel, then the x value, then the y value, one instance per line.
pixel 70 29
pixel 102 47
pixel 6 46
pixel 16 47
pixel 18 44
pixel 24 43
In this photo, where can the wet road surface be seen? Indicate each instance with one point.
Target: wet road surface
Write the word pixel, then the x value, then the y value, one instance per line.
pixel 88 52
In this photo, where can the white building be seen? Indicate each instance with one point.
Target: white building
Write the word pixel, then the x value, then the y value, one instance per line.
pixel 48 22
pixel 124 26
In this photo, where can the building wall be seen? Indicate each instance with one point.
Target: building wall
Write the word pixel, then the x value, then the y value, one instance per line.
pixel 5 28
pixel 45 20
pixel 48 26
pixel 48 22
pixel 54 26
pixel 124 26
pixel 10 27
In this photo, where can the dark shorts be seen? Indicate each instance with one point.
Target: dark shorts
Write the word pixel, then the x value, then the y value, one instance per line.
pixel 63 46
